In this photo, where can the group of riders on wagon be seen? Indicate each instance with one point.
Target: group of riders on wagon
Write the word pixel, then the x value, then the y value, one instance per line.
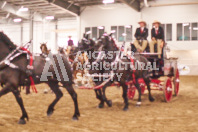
pixel 157 37
pixel 141 43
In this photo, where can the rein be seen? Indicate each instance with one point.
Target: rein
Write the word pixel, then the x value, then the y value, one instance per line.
pixel 81 51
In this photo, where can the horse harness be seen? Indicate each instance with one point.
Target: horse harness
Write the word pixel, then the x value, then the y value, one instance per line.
pixel 7 62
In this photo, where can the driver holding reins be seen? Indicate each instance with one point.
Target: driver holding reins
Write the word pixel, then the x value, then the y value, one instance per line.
pixel 141 35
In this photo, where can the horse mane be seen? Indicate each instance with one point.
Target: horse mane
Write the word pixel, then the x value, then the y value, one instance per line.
pixel 7 40
pixel 114 43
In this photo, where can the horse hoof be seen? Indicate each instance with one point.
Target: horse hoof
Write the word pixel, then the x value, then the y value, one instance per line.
pixel 101 106
pixel 49 113
pixel 151 99
pixel 109 103
pixel 22 121
pixel 78 114
pixel 74 118
pixel 125 109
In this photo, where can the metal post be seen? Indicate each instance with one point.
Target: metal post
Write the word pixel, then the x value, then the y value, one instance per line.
pixel 79 35
pixel 21 34
pixel 56 35
pixel 31 30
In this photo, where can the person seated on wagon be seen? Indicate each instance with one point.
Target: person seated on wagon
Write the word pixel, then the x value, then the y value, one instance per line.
pixel 141 35
pixel 157 37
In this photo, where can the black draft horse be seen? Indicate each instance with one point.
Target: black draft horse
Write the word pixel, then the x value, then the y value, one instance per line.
pixel 89 46
pixel 124 68
pixel 13 78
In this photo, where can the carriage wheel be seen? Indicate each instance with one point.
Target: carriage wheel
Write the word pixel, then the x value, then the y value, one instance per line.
pixel 143 87
pixel 131 91
pixel 167 90
pixel 176 82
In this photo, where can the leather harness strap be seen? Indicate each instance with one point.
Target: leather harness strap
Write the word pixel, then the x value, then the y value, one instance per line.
pixel 30 67
pixel 133 74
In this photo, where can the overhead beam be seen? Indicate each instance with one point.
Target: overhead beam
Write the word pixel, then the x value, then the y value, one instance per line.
pixel 14 10
pixel 69 7
pixel 135 4
pixel 5 21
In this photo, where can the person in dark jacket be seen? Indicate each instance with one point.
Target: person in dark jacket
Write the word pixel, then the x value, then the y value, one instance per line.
pixel 141 35
pixel 157 37
pixel 70 44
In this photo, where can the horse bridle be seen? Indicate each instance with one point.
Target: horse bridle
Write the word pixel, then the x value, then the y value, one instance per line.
pixel 11 56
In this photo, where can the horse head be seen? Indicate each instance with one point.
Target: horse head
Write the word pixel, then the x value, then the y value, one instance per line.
pixel 61 50
pixel 86 42
pixel 44 48
pixel 108 42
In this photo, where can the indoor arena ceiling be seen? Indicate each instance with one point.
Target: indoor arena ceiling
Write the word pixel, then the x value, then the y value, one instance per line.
pixel 9 9
pixel 57 8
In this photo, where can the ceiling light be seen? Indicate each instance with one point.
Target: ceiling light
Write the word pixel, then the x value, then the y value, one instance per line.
pixel 100 27
pixel 128 26
pixel 185 24
pixel 17 20
pixel 89 32
pixel 108 1
pixel 113 31
pixel 49 17
pixel 23 9
pixel 124 34
pixel 195 28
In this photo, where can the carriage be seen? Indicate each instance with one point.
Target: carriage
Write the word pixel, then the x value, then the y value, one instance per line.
pixel 165 79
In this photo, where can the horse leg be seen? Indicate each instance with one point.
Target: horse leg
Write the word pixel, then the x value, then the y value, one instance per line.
pixel 147 81
pixel 75 74
pixel 139 91
pixel 124 95
pixel 4 90
pixel 55 88
pixel 20 102
pixel 28 89
pixel 99 97
pixel 73 94
pixel 108 102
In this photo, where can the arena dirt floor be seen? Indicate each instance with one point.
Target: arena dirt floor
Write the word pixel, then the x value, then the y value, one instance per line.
pixel 180 115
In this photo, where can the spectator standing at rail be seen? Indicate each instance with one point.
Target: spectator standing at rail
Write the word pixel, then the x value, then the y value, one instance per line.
pixel 141 35
pixel 70 44
pixel 157 37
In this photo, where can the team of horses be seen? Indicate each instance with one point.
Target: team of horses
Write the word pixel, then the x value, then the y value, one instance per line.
pixel 11 78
